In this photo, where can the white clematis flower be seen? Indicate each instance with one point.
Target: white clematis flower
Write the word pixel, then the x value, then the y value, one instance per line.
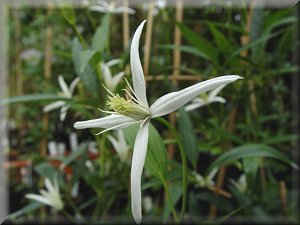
pixel 137 111
pixel 67 92
pixel 240 184
pixel 111 82
pixel 120 145
pixel 50 197
pixel 204 182
pixel 205 99
pixel 105 7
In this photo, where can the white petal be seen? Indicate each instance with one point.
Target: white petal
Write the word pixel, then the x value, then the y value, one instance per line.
pixel 138 78
pixel 105 122
pixel 172 101
pixel 215 92
pixel 106 74
pixel 98 8
pixel 113 62
pixel 49 185
pixel 116 80
pixel 138 160
pixel 73 84
pixel 193 106
pixel 38 198
pixel 63 112
pixel 114 142
pixel 64 86
pixel 54 105
pixel 125 10
pixel 218 99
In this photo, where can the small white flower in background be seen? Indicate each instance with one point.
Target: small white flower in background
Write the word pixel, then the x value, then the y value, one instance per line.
pixel 111 81
pixel 50 197
pixel 73 141
pixel 120 145
pixel 158 5
pixel 240 184
pixel 205 99
pixel 147 203
pixel 105 7
pixel 31 56
pixel 204 182
pixel 67 92
pixel 56 149
pixel 135 110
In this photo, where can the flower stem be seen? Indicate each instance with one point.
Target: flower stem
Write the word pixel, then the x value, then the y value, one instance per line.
pixel 69 216
pixel 171 204
pixel 184 164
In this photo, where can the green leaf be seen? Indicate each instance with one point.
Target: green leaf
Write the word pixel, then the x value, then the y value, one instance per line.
pixel 74 155
pixel 186 49
pixel 101 35
pixel 26 209
pixel 189 138
pixel 156 159
pixel 85 58
pixel 220 39
pixel 88 76
pixel 175 190
pixel 199 42
pixel 255 43
pixel 250 150
pixel 33 98
pixel 44 169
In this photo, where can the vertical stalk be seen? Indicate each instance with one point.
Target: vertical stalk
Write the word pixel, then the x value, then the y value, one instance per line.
pixel 148 38
pixel 184 163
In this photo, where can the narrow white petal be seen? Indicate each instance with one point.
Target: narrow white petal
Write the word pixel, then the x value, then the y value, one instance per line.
pixel 113 62
pixel 138 160
pixel 125 10
pixel 105 122
pixel 116 80
pixel 114 142
pixel 38 198
pixel 52 106
pixel 218 99
pixel 63 112
pixel 215 92
pixel 49 185
pixel 98 8
pixel 73 84
pixel 193 106
pixel 106 74
pixel 172 101
pixel 138 78
pixel 64 86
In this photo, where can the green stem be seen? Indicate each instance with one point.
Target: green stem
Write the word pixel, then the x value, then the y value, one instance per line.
pixel 184 164
pixel 69 216
pixel 81 39
pixel 73 206
pixel 171 204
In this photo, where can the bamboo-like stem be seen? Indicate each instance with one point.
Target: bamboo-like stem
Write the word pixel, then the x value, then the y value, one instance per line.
pixel 282 188
pixel 148 39
pixel 125 21
pixel 220 191
pixel 176 66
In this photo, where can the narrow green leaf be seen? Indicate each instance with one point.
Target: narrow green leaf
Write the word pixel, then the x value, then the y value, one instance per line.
pixel 199 42
pixel 26 209
pixel 250 150
pixel 74 155
pixel 189 138
pixel 175 189
pixel 32 98
pixel 85 58
pixel 220 38
pixel 83 69
pixel 101 35
pixel 186 49
pixel 156 159
pixel 254 43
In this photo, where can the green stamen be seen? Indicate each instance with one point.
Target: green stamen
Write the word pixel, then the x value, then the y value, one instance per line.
pixel 127 107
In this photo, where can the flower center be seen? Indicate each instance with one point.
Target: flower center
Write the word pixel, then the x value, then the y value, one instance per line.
pixel 127 107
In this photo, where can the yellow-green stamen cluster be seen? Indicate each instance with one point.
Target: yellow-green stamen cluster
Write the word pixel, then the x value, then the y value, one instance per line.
pixel 127 107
